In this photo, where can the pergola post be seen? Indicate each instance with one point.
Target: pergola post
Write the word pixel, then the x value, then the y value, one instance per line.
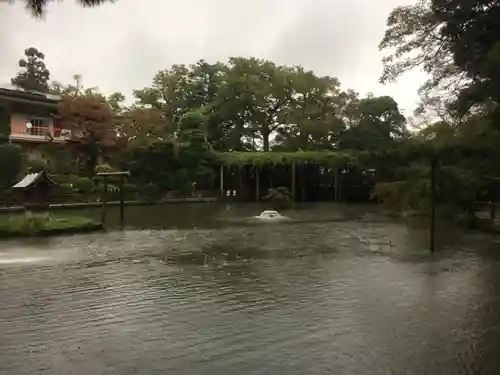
pixel 257 184
pixel 241 170
pixel 221 185
pixel 336 192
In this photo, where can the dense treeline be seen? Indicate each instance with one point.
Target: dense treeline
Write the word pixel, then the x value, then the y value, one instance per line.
pixel 170 135
pixel 173 131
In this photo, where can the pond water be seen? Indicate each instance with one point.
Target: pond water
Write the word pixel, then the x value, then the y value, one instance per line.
pixel 199 289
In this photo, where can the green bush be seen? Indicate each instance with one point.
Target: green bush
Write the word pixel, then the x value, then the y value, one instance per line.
pixel 66 192
pixel 65 179
pixel 65 189
pixel 280 197
pixel 70 178
pixel 103 168
pixel 58 179
pixel 60 157
pixel 130 191
pixel 10 171
pixel 112 194
pixel 84 186
pixel 150 191
pixel 130 188
pixel 36 165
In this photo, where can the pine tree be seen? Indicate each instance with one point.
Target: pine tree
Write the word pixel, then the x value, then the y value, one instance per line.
pixel 34 75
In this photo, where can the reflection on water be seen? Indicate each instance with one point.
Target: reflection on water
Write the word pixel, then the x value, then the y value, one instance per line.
pixel 30 259
pixel 187 290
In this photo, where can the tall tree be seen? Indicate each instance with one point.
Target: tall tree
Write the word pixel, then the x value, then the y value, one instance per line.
pixel 456 41
pixel 261 93
pixel 379 123
pixel 77 88
pixel 472 32
pixel 205 93
pixel 91 121
pixel 248 103
pixel 413 37
pixel 186 88
pixel 34 75
pixel 314 116
pixel 195 154
pixel 116 100
pixel 143 126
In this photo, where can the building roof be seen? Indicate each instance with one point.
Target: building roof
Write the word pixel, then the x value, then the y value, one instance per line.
pixel 32 179
pixel 15 93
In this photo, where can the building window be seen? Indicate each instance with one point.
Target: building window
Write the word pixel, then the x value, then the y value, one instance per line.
pixel 39 126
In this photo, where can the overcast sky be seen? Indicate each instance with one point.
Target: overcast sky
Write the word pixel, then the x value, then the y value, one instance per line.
pixel 119 47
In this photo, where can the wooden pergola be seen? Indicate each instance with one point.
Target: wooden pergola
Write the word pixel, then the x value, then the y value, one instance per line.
pixel 258 160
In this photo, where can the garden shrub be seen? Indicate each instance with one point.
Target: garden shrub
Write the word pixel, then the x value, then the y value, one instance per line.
pixel 10 171
pixel 150 191
pixel 112 194
pixel 130 191
pixel 85 186
pixel 279 197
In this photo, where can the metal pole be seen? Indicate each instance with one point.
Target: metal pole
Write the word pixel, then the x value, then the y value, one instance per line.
pixel 104 198
pixel 336 193
pixel 221 185
pixel 433 204
pixel 122 205
pixel 241 170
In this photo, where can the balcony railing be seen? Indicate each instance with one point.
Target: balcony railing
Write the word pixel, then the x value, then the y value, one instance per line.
pixel 39 133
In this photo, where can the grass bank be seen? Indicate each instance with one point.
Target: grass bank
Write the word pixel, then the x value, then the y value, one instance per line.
pixel 20 225
pixel 62 206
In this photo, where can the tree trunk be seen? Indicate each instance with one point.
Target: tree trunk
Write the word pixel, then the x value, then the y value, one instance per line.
pixel 265 142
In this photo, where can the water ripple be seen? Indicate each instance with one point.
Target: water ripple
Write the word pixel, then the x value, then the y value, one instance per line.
pixel 346 297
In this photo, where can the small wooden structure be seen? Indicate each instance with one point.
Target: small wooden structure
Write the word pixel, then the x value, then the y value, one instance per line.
pixel 35 190
pixel 122 175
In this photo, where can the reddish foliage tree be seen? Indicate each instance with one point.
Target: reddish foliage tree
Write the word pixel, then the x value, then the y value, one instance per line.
pixel 92 125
